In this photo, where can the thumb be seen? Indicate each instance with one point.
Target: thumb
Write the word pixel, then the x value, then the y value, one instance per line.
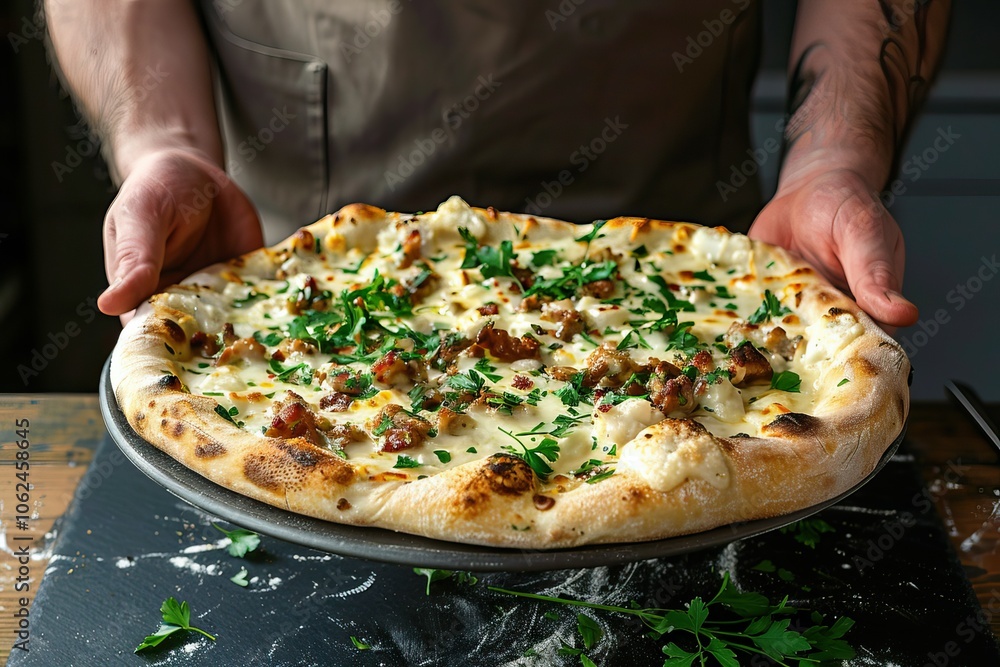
pixel 135 233
pixel 872 256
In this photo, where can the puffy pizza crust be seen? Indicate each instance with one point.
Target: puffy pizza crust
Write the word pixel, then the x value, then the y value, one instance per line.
pixel 674 477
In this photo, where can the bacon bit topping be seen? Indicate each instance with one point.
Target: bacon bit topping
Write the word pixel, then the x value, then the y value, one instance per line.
pixel 391 369
pixel 228 334
pixel 505 347
pixel 702 360
pixel 778 341
pixel 673 395
pixel 411 248
pixel 453 423
pixel 293 419
pixel 748 366
pixel 398 429
pixel 489 309
pixel 609 367
pixel 341 435
pixel 336 402
pixel 240 349
pixel 310 297
pixel 570 322
pixel 522 382
pixel 599 289
pixel 208 345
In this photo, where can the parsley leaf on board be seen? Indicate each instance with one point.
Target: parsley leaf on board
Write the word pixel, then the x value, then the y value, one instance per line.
pixel 729 624
pixel 240 578
pixel 241 541
pixel 176 618
pixel 808 531
pixel 433 575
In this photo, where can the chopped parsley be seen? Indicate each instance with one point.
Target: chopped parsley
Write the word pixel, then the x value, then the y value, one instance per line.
pixel 536 455
pixel 770 308
pixel 404 461
pixel 786 381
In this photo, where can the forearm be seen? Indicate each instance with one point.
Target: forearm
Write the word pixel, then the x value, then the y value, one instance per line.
pixel 859 70
pixel 140 71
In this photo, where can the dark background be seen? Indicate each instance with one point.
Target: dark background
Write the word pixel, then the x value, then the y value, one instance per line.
pixel 54 190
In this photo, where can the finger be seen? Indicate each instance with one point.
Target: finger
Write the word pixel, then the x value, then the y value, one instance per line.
pixel 136 231
pixel 872 255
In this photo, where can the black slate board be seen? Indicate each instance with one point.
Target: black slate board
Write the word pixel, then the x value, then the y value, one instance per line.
pixel 127 544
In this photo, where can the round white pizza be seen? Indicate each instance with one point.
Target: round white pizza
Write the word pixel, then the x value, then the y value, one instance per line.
pixel 516 381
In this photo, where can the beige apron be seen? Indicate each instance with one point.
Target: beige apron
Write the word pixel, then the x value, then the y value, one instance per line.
pixel 579 109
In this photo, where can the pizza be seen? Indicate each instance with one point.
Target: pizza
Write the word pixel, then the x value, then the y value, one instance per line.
pixel 515 381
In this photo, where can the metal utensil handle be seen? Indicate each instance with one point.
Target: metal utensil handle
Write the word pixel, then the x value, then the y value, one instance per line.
pixel 976 409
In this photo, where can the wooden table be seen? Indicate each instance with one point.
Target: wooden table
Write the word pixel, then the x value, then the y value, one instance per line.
pixel 961 470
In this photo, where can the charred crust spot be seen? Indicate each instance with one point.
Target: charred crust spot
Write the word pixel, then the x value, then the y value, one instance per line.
pixel 793 424
pixel 169 383
pixel 302 456
pixel 801 271
pixel 177 429
pixel 865 368
pixel 258 472
pixel 175 331
pixel 492 213
pixel 238 262
pixel 543 503
pixel 343 504
pixel 834 312
pixel 152 404
pixel 825 297
pixel 209 449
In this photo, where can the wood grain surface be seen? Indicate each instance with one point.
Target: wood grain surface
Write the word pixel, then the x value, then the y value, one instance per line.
pixel 960 468
pixel 63 432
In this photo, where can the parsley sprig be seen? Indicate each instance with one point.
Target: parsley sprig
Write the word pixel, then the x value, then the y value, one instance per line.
pixel 731 623
pixel 434 574
pixel 573 277
pixel 491 262
pixel 770 308
pixel 241 541
pixel 176 618
pixel 535 455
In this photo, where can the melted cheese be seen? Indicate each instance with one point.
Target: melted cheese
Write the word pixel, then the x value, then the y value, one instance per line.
pixel 715 271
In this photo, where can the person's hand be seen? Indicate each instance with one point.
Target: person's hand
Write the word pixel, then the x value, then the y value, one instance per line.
pixel 831 219
pixel 176 212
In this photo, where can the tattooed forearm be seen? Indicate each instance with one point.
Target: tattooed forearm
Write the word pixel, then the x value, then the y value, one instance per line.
pixel 861 70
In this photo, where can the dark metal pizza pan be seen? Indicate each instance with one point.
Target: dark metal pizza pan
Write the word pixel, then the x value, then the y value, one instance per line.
pixel 400 548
